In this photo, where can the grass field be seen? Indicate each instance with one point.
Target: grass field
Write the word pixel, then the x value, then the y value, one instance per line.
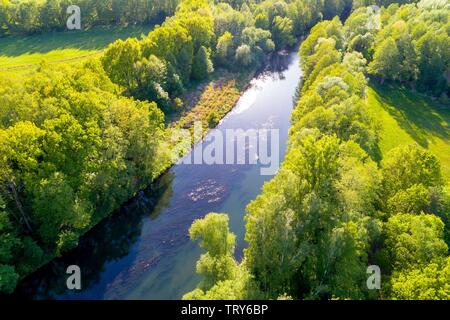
pixel 23 52
pixel 407 117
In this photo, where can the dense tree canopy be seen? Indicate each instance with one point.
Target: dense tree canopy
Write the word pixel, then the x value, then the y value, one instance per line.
pixel 427 282
pixel 77 141
pixel 412 47
pixel 35 16
pixel 72 150
pixel 201 35
pixel 334 208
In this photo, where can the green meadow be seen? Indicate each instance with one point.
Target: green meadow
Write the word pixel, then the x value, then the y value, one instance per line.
pixel 22 52
pixel 407 117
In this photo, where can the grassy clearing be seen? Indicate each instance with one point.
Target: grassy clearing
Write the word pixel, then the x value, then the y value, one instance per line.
pixel 23 52
pixel 407 117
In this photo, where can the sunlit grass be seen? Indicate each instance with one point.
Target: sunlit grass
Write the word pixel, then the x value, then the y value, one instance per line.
pixel 24 52
pixel 407 117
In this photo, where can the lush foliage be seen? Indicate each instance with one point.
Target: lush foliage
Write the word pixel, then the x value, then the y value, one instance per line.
pixel 35 16
pixel 74 142
pixel 223 278
pixel 202 36
pixel 409 44
pixel 77 141
pixel 334 208
pixel 71 151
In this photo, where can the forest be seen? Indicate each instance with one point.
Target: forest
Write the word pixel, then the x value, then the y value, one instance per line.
pixel 79 140
pixel 19 17
pixel 336 206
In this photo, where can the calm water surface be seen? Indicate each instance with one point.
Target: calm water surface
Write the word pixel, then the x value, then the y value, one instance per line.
pixel 143 251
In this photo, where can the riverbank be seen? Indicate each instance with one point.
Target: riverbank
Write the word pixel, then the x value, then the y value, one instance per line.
pixel 212 99
pixel 142 250
pixel 207 103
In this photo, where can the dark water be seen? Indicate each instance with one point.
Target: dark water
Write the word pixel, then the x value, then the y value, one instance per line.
pixel 143 251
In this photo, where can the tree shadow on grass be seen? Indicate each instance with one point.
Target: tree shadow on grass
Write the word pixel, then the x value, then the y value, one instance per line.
pixel 376 153
pixel 418 115
pixel 93 39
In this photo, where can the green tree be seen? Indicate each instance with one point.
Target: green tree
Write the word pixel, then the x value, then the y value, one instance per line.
pixel 434 59
pixel 255 37
pixel 428 282
pixel 73 151
pixel 8 279
pixel 20 147
pixel 386 61
pixel 51 14
pixel 408 165
pixel 415 199
pixel 408 69
pixel 119 60
pixel 282 32
pixel 262 21
pixel 151 78
pixel 227 19
pixel 224 49
pixel 244 56
pixel 203 66
pixel 299 228
pixel 56 209
pixel 6 230
pixel 217 264
pixel 413 240
pixel 173 44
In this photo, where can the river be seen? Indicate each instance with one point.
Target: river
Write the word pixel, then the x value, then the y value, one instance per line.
pixel 143 251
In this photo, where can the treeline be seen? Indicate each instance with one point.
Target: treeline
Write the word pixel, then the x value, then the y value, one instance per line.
pixel 412 47
pixel 23 17
pixel 72 150
pixel 382 3
pixel 334 208
pixel 202 36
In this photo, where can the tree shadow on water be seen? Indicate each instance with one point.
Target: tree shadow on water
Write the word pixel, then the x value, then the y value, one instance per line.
pixel 111 240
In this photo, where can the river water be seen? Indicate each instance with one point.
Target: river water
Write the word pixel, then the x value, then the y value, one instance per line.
pixel 143 251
